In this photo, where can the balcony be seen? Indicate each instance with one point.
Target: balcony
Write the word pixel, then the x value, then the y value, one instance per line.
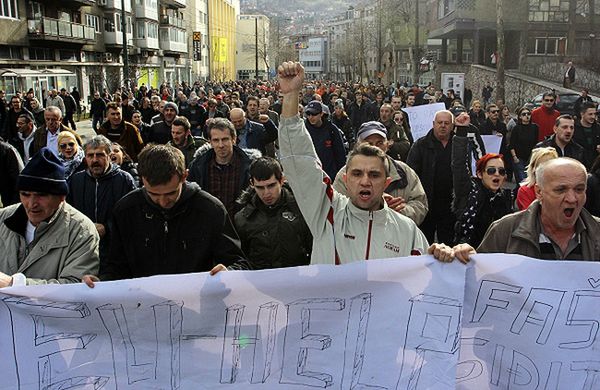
pixel 174 3
pixel 59 30
pixel 114 4
pixel 167 20
pixel 173 40
pixel 145 12
pixel 115 38
pixel 147 43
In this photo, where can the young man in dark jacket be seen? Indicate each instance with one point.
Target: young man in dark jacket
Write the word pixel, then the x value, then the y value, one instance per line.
pixel 169 226
pixel 271 227
pixel 326 138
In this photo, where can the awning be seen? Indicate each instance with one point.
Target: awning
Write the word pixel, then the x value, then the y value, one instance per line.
pixel 57 72
pixel 21 72
pixel 18 72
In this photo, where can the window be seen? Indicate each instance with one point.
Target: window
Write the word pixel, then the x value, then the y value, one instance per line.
pixel 93 21
pixel 35 10
pixel 9 9
pixel 549 10
pixel 140 29
pixel 109 25
pixel 11 52
pixel 68 55
pixel 445 7
pixel 547 45
pixel 41 53
pixel 152 30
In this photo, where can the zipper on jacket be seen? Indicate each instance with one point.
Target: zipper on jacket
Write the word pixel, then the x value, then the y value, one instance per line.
pixel 166 227
pixel 369 235
pixel 96 203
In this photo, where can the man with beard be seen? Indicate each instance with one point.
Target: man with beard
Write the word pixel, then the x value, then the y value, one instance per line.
pixel 23 142
pixel 587 133
pixel 562 140
pixel 118 130
pixel 223 169
pixel 96 191
pixel 183 139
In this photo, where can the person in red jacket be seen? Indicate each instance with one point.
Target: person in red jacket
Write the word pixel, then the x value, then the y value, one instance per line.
pixel 545 116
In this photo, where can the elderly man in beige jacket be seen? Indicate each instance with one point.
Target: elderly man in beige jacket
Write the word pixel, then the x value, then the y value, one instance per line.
pixel 43 239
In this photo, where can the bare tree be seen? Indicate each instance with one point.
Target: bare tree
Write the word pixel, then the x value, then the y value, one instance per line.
pixel 500 91
pixel 400 22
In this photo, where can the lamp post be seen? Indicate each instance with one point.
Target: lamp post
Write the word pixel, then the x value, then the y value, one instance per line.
pixel 125 54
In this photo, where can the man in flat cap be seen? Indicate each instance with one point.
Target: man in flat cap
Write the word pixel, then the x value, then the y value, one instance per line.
pixel 43 239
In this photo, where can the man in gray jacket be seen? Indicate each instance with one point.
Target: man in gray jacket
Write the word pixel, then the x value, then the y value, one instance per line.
pixel 350 228
pixel 43 239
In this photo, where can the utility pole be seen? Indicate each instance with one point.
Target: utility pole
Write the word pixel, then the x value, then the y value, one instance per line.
pixel 500 92
pixel 256 46
pixel 379 43
pixel 416 57
pixel 125 54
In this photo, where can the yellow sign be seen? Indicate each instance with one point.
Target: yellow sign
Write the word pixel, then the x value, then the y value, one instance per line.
pixel 222 50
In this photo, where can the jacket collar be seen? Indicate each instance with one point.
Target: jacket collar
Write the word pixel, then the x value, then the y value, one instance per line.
pixel 377 216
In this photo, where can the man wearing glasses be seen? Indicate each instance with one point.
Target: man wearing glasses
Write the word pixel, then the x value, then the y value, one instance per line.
pixel 545 116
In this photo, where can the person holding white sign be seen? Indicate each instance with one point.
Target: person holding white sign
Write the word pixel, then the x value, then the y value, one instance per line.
pixel 345 229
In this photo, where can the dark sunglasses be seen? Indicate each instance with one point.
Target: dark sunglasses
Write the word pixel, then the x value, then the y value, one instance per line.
pixel 311 113
pixel 549 100
pixel 492 171
pixel 494 111
pixel 525 114
pixel 69 144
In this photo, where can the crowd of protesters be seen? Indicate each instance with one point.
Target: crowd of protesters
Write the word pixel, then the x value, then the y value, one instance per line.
pixel 253 175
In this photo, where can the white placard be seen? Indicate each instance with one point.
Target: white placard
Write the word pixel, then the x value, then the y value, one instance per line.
pixel 421 118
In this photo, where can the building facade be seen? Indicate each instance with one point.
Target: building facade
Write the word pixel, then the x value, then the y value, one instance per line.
pixel 79 43
pixel 314 58
pixel 222 19
pixel 540 36
pixel 252 47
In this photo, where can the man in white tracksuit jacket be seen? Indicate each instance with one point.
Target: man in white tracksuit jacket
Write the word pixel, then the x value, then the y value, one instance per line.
pixel 344 229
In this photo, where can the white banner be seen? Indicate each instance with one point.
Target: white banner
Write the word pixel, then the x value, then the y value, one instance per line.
pixel 421 118
pixel 530 324
pixel 381 324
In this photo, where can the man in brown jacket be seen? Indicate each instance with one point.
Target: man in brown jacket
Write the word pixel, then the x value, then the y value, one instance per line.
pixel 554 227
pixel 116 129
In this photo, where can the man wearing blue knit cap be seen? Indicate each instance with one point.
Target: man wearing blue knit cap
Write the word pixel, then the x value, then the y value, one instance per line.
pixel 43 239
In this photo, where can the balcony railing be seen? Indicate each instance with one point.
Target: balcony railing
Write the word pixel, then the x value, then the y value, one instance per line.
pixel 172 21
pixel 48 28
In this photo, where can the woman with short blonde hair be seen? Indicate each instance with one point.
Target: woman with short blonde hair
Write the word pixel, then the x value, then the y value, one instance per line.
pixel 526 193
